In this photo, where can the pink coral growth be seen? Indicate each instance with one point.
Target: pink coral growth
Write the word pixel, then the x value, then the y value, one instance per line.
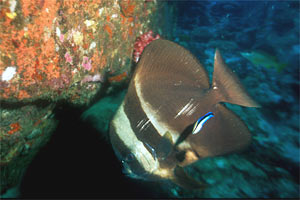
pixel 141 43
pixel 61 37
pixel 93 78
pixel 68 58
pixel 59 83
pixel 87 63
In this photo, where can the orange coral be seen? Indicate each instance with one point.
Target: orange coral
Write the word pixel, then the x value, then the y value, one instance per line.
pixel 127 7
pixel 130 31
pixel 14 128
pixel 37 122
pixel 109 31
pixel 31 46
pixel 23 94
pixel 29 7
pixel 118 78
pixel 52 71
pixel 103 60
pixel 107 18
pixel 35 37
pixel 96 59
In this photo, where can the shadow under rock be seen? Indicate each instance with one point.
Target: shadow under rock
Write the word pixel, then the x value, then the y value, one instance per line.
pixel 76 162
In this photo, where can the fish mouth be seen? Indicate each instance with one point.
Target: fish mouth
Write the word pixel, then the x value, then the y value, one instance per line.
pixel 130 174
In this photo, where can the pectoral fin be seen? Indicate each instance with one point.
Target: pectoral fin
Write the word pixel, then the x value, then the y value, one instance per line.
pixel 165 146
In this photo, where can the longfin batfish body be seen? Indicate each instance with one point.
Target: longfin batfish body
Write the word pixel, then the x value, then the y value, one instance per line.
pixel 168 94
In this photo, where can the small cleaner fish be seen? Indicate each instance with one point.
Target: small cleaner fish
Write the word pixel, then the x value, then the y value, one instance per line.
pixel 171 116
pixel 260 58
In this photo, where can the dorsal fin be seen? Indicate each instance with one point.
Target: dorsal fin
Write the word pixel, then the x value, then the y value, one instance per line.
pixel 229 87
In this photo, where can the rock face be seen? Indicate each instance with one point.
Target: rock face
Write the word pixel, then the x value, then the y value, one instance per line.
pixel 31 130
pixel 53 51
pixel 48 47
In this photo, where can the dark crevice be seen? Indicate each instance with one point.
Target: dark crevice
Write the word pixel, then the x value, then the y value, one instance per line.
pixel 77 163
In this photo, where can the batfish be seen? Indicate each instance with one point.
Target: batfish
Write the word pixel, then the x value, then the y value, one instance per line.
pixel 171 116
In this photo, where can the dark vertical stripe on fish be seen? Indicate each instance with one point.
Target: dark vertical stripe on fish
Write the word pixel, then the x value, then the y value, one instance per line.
pixel 140 124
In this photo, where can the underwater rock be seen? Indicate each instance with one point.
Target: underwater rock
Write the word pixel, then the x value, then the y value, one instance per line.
pixel 101 113
pixel 21 140
pixel 53 48
pixel 54 51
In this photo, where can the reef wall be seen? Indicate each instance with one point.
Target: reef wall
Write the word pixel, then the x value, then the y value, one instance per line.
pixel 54 51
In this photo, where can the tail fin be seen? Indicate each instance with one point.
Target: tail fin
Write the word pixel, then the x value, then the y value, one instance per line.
pixel 228 85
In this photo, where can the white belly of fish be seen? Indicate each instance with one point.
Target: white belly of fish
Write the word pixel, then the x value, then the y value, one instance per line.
pixel 124 131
